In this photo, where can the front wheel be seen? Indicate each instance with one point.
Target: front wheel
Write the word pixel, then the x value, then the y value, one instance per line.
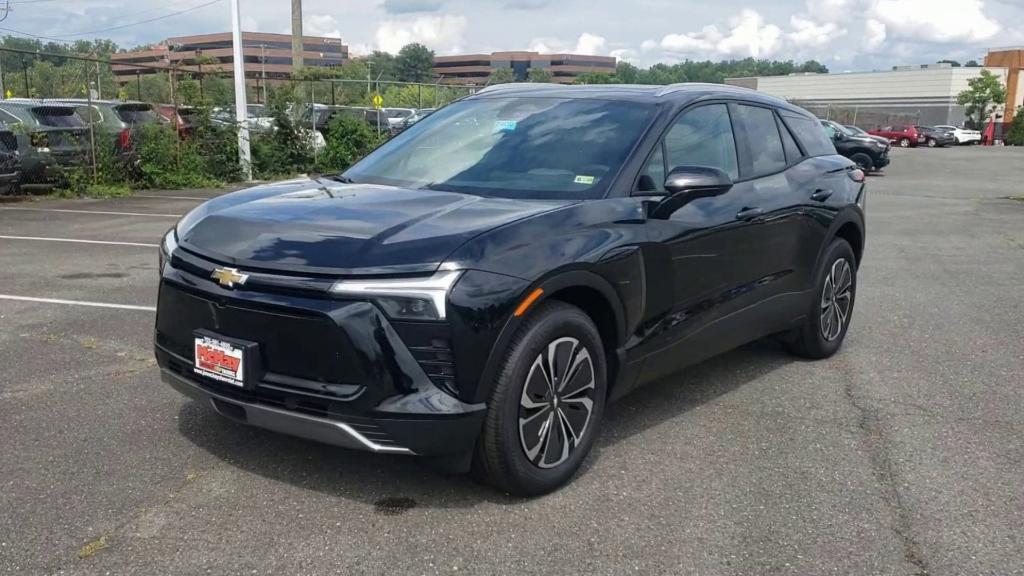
pixel 931 143
pixel 863 161
pixel 831 308
pixel 546 408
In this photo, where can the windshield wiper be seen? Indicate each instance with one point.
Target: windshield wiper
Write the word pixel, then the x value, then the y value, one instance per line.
pixel 341 178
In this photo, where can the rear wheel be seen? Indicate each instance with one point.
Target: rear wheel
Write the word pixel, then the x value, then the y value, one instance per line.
pixel 831 308
pixel 904 142
pixel 863 161
pixel 547 405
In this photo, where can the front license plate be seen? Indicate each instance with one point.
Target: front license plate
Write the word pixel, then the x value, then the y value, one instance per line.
pixel 220 361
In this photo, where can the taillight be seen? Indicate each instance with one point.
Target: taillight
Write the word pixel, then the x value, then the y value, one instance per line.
pixel 124 138
pixel 857 175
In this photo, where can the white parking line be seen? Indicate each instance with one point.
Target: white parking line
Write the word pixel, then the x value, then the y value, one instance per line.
pixel 91 212
pixel 77 241
pixel 78 303
pixel 172 197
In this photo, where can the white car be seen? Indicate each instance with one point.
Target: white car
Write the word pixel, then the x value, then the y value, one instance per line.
pixel 963 135
pixel 396 116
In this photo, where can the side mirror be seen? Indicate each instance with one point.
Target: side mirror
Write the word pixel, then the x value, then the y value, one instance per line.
pixel 839 137
pixel 688 183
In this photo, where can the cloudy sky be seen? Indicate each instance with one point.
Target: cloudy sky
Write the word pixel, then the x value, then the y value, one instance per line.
pixel 843 34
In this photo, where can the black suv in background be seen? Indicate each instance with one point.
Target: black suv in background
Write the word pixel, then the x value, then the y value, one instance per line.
pixel 868 152
pixel 936 137
pixel 10 161
pixel 55 136
pixel 115 119
pixel 479 287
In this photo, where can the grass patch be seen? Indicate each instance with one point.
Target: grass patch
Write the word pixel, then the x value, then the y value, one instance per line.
pixel 95 191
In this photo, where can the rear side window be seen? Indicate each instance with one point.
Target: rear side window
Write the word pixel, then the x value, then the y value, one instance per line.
pixel 136 114
pixel 90 114
pixel 810 134
pixel 702 137
pixel 761 144
pixel 793 152
pixel 8 141
pixel 57 116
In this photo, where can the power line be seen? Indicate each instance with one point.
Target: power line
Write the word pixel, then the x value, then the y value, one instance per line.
pixel 147 21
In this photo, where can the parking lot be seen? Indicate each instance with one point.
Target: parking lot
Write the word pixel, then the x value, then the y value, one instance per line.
pixel 903 454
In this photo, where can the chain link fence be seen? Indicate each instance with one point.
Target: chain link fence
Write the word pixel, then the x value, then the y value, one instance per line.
pixel 864 117
pixel 145 125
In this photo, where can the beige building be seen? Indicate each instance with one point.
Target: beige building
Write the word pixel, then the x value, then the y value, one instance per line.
pixel 477 68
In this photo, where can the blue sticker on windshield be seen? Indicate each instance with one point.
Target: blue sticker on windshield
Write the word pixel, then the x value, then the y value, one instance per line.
pixel 505 125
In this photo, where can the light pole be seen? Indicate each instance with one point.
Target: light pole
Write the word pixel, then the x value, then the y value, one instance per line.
pixel 241 107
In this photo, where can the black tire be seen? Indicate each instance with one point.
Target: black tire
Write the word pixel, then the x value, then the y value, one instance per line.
pixel 811 340
pixel 904 142
pixel 501 457
pixel 863 161
pixel 931 143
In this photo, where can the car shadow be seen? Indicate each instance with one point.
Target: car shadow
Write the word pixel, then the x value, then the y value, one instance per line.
pixel 396 482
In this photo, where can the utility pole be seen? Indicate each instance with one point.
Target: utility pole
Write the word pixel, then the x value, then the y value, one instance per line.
pixel 99 84
pixel 297 35
pixel 241 107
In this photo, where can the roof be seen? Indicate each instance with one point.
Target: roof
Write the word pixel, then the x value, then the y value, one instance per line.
pixel 676 93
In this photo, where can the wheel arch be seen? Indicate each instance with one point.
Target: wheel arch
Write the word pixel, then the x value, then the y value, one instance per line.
pixel 584 289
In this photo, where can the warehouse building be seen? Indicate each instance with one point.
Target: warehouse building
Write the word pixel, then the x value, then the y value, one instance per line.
pixel 915 94
pixel 477 68
pixel 265 55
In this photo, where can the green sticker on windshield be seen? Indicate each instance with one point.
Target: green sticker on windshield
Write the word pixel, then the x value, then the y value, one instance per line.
pixel 584 180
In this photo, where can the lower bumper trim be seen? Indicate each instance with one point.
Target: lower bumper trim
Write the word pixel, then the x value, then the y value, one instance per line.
pixel 282 421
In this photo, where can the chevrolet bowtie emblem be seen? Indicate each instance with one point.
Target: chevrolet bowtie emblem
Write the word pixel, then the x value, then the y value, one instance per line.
pixel 228 277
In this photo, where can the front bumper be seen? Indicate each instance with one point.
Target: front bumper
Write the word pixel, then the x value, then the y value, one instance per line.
pixel 434 437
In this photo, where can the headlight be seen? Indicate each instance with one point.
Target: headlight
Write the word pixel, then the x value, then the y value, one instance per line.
pixel 404 298
pixel 167 246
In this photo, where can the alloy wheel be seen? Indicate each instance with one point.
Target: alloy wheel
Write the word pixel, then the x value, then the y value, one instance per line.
pixel 836 297
pixel 557 402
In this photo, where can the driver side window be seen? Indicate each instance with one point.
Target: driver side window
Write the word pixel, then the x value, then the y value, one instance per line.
pixel 700 137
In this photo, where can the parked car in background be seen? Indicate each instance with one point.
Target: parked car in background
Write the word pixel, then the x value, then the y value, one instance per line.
pixel 182 117
pixel 256 117
pixel 861 132
pixel 867 152
pixel 49 134
pixel 962 135
pixel 118 117
pixel 410 120
pixel 903 135
pixel 10 161
pixel 933 137
pixel 396 116
pixel 478 289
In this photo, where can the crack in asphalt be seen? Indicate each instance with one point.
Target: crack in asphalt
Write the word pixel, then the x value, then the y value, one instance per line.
pixel 870 423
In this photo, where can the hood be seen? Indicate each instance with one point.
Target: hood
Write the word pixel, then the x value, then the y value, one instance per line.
pixel 326 227
pixel 869 139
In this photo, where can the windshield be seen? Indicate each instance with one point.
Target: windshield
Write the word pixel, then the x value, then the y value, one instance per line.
pixel 57 116
pixel 136 114
pixel 512 147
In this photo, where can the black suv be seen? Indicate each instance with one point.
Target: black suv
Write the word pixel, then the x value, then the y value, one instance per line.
pixel 868 152
pixel 477 288
pixel 55 134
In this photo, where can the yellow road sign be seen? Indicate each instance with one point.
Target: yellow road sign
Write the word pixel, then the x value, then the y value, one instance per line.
pixel 378 101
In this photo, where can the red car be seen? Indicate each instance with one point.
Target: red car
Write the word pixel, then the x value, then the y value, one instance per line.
pixel 903 135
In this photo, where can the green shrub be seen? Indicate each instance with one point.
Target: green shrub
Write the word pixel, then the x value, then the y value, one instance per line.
pixel 1015 134
pixel 348 139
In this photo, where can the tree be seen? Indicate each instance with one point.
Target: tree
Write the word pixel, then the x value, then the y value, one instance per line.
pixel 538 75
pixel 952 63
pixel 415 63
pixel 1015 135
pixel 382 65
pixel 501 76
pixel 598 78
pixel 981 93
pixel 972 64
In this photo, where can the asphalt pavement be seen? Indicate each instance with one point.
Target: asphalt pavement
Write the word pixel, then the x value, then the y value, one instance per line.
pixel 901 455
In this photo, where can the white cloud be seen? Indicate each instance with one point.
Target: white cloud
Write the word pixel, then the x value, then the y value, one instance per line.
pixel 874 35
pixel 810 34
pixel 748 36
pixel 320 25
pixel 589 44
pixel 444 34
pixel 624 54
pixel 832 10
pixel 934 21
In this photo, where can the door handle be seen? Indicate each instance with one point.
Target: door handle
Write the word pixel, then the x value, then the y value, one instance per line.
pixel 749 214
pixel 821 195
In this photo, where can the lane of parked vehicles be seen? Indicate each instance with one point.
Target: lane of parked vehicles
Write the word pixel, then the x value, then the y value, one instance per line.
pixel 40 138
